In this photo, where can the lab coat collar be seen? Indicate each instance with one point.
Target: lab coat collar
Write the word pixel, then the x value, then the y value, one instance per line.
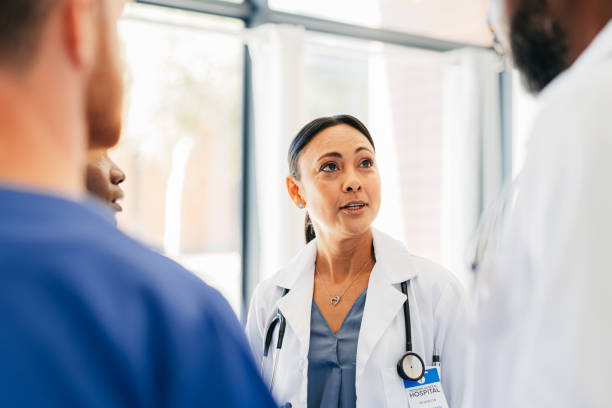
pixel 392 259
pixel 393 265
pixel 301 264
pixel 298 277
pixel 599 49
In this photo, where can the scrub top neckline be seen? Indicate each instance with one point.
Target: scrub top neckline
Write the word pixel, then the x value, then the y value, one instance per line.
pixel 316 306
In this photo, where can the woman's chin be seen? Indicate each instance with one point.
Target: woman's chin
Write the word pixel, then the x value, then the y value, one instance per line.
pixel 357 227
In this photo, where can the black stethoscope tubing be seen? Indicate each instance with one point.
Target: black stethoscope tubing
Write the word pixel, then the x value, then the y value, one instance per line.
pixel 282 322
pixel 409 355
pixel 278 318
pixel 407 325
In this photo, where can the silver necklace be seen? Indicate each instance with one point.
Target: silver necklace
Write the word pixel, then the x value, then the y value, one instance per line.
pixel 336 299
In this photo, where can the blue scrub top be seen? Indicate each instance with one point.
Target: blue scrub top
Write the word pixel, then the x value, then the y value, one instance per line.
pixel 332 358
pixel 91 318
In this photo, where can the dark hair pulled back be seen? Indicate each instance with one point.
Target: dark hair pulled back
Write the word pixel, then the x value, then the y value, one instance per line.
pixel 305 135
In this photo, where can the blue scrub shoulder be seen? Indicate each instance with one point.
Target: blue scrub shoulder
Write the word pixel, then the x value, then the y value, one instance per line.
pixel 90 317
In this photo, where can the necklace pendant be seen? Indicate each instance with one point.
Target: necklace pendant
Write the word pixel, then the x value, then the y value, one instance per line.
pixel 334 300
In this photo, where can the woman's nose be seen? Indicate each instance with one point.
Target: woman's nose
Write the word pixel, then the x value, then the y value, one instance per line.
pixel 352 183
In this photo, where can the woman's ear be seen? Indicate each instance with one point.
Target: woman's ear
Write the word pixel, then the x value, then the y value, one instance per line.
pixel 294 192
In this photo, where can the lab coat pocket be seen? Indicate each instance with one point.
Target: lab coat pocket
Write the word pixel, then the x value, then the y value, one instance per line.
pixel 395 394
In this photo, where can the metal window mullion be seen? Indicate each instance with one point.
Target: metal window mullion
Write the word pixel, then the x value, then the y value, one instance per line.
pixel 249 252
pixel 365 33
pixel 216 7
pixel 250 225
pixel 257 12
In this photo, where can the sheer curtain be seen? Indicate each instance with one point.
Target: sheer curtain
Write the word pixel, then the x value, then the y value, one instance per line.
pixel 472 151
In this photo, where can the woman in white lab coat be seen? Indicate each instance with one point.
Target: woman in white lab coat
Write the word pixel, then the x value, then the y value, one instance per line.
pixel 340 301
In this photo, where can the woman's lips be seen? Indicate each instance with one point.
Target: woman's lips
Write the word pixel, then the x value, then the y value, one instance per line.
pixel 354 207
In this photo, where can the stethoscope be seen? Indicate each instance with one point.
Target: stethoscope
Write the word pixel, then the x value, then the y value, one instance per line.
pixel 277 319
pixel 410 366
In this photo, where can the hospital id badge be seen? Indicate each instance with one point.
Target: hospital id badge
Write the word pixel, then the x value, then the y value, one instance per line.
pixel 426 392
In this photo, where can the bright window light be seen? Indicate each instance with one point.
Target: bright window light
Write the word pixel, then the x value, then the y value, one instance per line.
pixel 181 147
pixel 454 20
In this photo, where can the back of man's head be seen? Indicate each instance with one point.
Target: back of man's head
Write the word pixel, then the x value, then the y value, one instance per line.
pixel 21 26
pixel 60 88
pixel 22 37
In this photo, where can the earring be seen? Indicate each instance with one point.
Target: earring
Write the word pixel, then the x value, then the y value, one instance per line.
pixel 301 206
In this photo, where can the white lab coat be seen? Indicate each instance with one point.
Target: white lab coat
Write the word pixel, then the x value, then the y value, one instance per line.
pixel 543 318
pixel 438 313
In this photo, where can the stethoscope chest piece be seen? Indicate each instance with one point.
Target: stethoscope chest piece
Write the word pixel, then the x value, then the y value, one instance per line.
pixel 411 367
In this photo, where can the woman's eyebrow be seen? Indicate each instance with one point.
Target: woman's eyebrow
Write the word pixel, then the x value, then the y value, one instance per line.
pixel 359 149
pixel 338 155
pixel 332 154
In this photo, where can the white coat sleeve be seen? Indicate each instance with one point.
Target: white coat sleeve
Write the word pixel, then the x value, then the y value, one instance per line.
pixel 451 315
pixel 545 328
pixel 570 330
pixel 255 326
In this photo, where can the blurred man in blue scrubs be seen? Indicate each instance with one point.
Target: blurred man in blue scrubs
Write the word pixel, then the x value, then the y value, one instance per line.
pixel 543 319
pixel 88 317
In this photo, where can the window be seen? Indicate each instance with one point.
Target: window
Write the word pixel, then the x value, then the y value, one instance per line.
pixel 455 20
pixel 182 144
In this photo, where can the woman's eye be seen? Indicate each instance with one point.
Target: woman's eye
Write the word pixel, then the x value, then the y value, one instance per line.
pixel 367 163
pixel 329 167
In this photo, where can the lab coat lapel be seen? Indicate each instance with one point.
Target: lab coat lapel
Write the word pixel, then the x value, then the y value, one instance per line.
pixel 383 303
pixel 384 300
pixel 599 50
pixel 298 277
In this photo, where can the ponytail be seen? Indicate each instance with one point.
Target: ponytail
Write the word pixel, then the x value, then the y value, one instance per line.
pixel 309 229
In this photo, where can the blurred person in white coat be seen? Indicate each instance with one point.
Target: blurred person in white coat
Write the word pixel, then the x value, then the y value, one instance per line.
pixel 543 322
pixel 347 298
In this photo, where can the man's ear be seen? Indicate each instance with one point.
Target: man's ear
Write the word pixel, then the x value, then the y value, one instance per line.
pixel 294 192
pixel 80 21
